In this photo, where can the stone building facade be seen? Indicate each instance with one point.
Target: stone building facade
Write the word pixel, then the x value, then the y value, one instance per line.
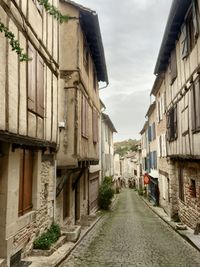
pixel 28 126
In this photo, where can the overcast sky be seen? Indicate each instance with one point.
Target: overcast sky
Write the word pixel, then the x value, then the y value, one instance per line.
pixel 132 32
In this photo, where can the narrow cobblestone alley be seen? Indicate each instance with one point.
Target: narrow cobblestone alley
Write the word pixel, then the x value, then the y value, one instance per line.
pixel 132 235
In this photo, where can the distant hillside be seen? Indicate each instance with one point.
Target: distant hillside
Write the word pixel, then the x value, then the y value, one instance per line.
pixel 123 147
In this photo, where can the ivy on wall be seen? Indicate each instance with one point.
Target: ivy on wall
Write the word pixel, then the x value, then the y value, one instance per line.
pixel 52 10
pixel 14 43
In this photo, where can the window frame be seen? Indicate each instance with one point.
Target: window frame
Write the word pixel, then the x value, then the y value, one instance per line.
pixel 172 124
pixel 84 117
pixel 181 193
pixel 195 108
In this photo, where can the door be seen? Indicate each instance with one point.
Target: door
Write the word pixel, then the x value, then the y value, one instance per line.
pixel 77 201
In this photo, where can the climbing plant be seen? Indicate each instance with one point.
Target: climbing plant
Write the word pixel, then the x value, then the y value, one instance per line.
pixel 14 43
pixel 52 10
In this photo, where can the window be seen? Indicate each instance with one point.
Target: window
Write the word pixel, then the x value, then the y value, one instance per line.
pixel 84 124
pixel 153 129
pixel 95 126
pixel 25 184
pixel 192 188
pixel 35 82
pixel 173 66
pixel 181 184
pixel 161 104
pixel 86 56
pixel 195 107
pixel 172 124
pixel 162 150
pixel 190 30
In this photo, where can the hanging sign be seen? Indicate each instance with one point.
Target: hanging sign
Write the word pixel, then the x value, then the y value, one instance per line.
pixel 146 178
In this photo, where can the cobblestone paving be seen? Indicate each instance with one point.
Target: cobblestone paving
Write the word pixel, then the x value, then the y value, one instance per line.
pixel 132 235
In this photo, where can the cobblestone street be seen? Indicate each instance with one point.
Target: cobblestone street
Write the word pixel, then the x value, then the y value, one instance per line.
pixel 132 235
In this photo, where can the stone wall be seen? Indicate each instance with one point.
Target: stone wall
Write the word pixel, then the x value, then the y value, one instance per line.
pixel 189 209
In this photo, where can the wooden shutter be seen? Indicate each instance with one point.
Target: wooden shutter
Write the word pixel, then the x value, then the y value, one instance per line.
pixel 195 18
pixel 197 104
pixel 25 184
pixel 21 186
pixel 164 146
pixel 86 118
pixel 95 126
pixel 173 65
pixel 168 126
pixel 155 159
pixel 158 110
pixel 184 41
pixel 158 141
pixel 149 133
pixel 40 86
pixel 175 123
pixel 28 171
pixel 83 116
pixel 31 78
pixel 193 107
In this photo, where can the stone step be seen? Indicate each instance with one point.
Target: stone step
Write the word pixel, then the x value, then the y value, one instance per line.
pixel 2 262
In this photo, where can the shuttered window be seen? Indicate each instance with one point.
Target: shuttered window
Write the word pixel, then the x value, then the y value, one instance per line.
pixel 25 184
pixel 95 126
pixel 40 86
pixel 173 69
pixel 31 78
pixel 190 30
pixel 35 82
pixel 195 105
pixel 84 111
pixel 181 184
pixel 172 130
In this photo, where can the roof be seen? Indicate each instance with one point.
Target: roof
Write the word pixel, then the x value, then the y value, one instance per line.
pixel 157 83
pixel 176 17
pixel 151 109
pixel 102 104
pixel 107 119
pixel 144 127
pixel 91 28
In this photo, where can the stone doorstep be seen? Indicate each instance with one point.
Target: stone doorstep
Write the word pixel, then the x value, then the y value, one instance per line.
pixel 2 262
pixel 187 234
pixel 61 253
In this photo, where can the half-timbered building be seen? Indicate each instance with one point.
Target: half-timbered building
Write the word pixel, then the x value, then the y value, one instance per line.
pixel 82 66
pixel 28 126
pixel 178 66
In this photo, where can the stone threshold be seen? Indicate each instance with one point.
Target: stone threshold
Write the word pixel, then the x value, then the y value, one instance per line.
pixel 187 234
